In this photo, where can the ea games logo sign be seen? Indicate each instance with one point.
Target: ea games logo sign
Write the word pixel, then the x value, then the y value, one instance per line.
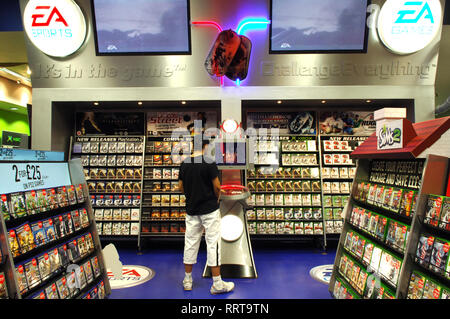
pixel 57 28
pixel 131 276
pixel 409 26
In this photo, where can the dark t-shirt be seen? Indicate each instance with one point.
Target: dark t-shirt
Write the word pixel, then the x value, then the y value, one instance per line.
pixel 198 187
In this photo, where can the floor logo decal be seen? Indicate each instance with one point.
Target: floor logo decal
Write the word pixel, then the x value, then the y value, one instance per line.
pixel 322 273
pixel 132 275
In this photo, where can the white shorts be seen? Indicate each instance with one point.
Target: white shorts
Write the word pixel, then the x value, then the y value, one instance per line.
pixel 193 236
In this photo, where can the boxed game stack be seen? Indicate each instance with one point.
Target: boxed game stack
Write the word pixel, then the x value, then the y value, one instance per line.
pixel 364 281
pixel 432 253
pixel 285 186
pixel 338 172
pixel 423 287
pixel 164 207
pixel 113 170
pixel 375 262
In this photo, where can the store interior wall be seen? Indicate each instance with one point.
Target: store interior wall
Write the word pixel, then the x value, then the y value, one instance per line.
pixel 194 83
pixel 443 74
pixel 14 122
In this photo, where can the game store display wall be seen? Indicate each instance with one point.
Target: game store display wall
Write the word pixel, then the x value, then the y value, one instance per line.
pixel 372 250
pixel 285 187
pixel 310 187
pixel 113 168
pixel 48 232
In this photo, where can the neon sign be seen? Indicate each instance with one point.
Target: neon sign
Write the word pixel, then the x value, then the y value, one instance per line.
pixel 248 24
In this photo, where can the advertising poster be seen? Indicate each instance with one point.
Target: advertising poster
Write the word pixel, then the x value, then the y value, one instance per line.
pixel 286 122
pixel 347 123
pixel 110 123
pixel 164 123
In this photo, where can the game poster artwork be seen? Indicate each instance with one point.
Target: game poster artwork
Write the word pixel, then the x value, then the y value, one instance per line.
pixel 164 123
pixel 109 123
pixel 347 123
pixel 286 122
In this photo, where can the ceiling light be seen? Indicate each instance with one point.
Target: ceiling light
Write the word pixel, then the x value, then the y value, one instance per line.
pixel 230 126
pixel 279 102
pixel 15 74
pixel 18 81
pixel 139 103
pixel 323 101
pixel 183 102
pixel 368 101
pixel 95 103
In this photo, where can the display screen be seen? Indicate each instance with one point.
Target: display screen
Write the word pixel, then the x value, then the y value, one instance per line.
pixel 231 153
pixel 315 26
pixel 142 26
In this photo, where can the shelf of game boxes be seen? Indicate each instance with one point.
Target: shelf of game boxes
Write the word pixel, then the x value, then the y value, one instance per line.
pixel 365 284
pixel 374 257
pixel 423 286
pixel 104 288
pixel 432 253
pixel 8 282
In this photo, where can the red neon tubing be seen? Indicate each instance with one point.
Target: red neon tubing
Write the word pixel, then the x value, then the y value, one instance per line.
pixel 218 27
pixel 215 24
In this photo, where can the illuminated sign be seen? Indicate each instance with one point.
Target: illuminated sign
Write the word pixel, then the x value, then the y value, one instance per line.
pixel 57 28
pixel 406 27
pixel 245 25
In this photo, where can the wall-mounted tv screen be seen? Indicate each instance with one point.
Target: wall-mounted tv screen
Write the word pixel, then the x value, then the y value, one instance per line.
pixel 142 27
pixel 318 26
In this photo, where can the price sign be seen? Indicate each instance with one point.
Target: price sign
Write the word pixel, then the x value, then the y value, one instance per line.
pixel 20 155
pixel 20 177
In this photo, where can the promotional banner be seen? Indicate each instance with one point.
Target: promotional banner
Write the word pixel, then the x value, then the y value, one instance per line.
pixel 286 122
pixel 164 123
pixel 20 177
pixel 347 123
pixel 111 123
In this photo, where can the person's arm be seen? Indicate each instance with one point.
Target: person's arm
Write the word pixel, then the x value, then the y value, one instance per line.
pixel 216 186
pixel 180 186
pixel 180 178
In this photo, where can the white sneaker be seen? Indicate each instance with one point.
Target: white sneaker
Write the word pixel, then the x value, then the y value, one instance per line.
pixel 187 284
pixel 222 287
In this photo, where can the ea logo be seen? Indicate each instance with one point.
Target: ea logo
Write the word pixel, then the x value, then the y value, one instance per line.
pixel 57 28
pixel 424 12
pixel 406 27
pixel 54 12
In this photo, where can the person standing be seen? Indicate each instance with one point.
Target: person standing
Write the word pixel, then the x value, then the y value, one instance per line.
pixel 199 181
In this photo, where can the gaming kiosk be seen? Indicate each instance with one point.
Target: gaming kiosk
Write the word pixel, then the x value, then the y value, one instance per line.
pixel 236 251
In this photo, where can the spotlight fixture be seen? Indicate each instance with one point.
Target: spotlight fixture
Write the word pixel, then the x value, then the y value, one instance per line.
pixel 96 103
pixel 368 101
pixel 279 102
pixel 139 103
pixel 183 102
pixel 323 101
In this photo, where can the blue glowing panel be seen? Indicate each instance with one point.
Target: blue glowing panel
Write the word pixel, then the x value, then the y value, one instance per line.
pixel 318 26
pixel 142 26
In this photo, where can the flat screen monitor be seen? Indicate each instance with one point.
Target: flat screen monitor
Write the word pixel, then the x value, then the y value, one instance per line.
pixel 142 27
pixel 318 26
pixel 231 153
